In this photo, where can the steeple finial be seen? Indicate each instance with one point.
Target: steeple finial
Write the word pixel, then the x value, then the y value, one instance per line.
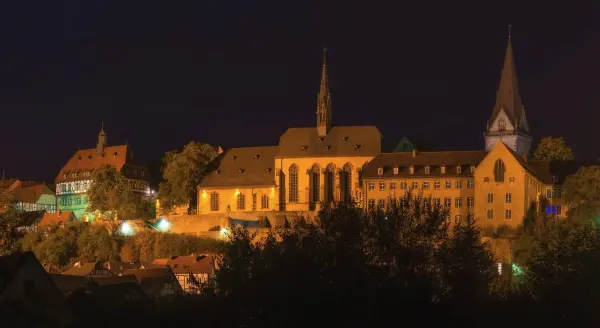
pixel 509 28
pixel 324 101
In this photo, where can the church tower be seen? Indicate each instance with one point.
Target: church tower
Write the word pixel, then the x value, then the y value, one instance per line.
pixel 324 102
pixel 101 141
pixel 508 122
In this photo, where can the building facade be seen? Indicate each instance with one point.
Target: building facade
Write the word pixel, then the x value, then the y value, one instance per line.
pixel 75 178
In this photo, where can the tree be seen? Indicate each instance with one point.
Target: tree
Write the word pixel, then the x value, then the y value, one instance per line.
pixel 582 193
pixel 183 171
pixel 96 244
pixel 553 149
pixel 9 236
pixel 110 194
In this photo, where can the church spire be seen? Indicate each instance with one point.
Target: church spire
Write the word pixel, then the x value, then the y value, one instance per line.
pixel 508 98
pixel 101 141
pixel 324 101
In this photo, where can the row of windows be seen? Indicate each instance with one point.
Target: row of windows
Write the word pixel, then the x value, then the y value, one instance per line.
pixel 507 214
pixel 29 207
pixel 73 187
pixel 411 170
pixel 553 193
pixel 507 198
pixel 424 185
pixel 68 201
pixel 345 175
pixel 458 202
pixel 240 201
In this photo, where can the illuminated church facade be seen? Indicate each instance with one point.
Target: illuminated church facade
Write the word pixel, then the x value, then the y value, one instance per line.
pixel 495 185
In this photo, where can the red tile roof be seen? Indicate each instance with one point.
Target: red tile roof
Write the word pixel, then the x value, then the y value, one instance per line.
pixel 32 194
pixel 56 218
pixel 89 160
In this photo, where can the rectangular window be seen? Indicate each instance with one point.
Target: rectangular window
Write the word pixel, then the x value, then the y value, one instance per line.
pixel 458 184
pixel 472 169
pixel 448 184
pixel 381 186
pixel 457 219
pixel 241 201
pixel 214 201
pixel 508 198
pixel 490 213
pixel 486 179
pixel 557 193
pixel 490 198
pixel 264 202
pixel 371 186
pixel 392 186
pixel 549 193
pixel 403 185
pixel 395 171
pixel 508 214
pixel 458 169
pixel 427 170
pixel 471 202
pixel 436 185
pixel 381 204
pixel 470 183
pixel 558 210
pixel 415 185
pixel 443 169
pixel 411 170
pixel 425 184
pixel 447 202
pixel 436 202
pixel 371 204
pixel 458 202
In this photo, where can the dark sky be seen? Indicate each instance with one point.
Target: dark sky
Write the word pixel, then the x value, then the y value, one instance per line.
pixel 239 72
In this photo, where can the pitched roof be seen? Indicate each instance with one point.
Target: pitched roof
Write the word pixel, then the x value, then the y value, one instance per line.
pixel 51 269
pixel 10 265
pixel 84 269
pixel 553 172
pixel 450 159
pixel 89 160
pixel 31 194
pixel 102 281
pixel 153 280
pixel 69 283
pixel 350 141
pixel 56 218
pixel 193 264
pixel 244 167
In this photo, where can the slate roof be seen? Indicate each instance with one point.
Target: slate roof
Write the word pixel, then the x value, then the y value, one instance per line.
pixel 244 167
pixel 449 159
pixel 348 141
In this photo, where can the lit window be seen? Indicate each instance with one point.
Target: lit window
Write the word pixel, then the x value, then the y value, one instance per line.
pixel 508 214
pixel 381 204
pixel 458 202
pixel 470 183
pixel 371 204
pixel 403 185
pixel 415 185
pixel 241 201
pixel 472 169
pixel 443 169
pixel 436 202
pixel 501 124
pixel 293 183
pixel 395 170
pixel 457 219
pixel 436 185
pixel 448 184
pixel 381 186
pixel 490 198
pixel 447 202
pixel 427 169
pixel 264 202
pixel 425 184
pixel 458 184
pixel 490 214
pixel 471 202
pixel 557 193
pixel 411 170
pixel 371 186
pixel 549 193
pixel 458 169
pixel 508 198
pixel 392 186
pixel 380 171
pixel 499 170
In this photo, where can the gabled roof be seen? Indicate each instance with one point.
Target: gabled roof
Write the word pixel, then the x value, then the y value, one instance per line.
pixel 435 160
pixel 10 265
pixel 349 141
pixel 102 281
pixel 153 280
pixel 57 218
pixel 31 194
pixel 192 264
pixel 69 283
pixel 554 172
pixel 89 160
pixel 244 167
pixel 84 269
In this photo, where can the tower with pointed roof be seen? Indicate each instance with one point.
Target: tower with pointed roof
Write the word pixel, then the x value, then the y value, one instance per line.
pixel 508 122
pixel 324 101
pixel 102 141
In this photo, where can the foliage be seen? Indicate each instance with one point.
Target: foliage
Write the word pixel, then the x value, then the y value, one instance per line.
pixel 56 245
pixel 183 171
pixel 9 236
pixel 553 149
pixel 96 243
pixel 110 195
pixel 582 193
pixel 149 245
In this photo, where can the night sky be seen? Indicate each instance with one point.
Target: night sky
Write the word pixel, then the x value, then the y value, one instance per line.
pixel 239 72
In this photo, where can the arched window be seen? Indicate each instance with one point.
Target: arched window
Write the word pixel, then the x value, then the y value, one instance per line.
pixel 293 183
pixel 499 170
pixel 346 183
pixel 501 124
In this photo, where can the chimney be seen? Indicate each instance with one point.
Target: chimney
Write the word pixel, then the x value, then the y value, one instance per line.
pixel 414 152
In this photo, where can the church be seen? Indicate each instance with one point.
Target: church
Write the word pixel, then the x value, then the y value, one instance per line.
pixel 496 185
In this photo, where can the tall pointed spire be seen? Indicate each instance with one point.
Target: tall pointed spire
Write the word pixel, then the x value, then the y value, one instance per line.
pixel 102 140
pixel 324 101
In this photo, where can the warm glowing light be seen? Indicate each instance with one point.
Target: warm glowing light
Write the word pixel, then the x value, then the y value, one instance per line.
pixel 163 225
pixel 127 229
pixel 204 194
pixel 237 192
pixel 224 232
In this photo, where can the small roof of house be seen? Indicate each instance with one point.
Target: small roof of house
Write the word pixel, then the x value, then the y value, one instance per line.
pixel 89 159
pixel 153 280
pixel 10 265
pixel 192 264
pixel 84 269
pixel 56 218
pixel 69 283
pixel 31 194
pixel 117 267
pixel 51 269
pixel 101 281
pixel 244 167
pixel 553 172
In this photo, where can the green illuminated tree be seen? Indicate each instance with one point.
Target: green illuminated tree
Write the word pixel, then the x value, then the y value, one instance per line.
pixel 553 149
pixel 183 171
pixel 110 195
pixel 582 193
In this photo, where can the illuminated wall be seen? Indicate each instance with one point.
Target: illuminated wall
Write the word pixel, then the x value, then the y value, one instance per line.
pixel 225 200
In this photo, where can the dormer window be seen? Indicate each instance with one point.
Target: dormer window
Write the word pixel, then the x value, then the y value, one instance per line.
pixel 115 154
pixel 344 139
pixel 256 156
pixel 90 157
pixel 380 171
pixel 78 158
pixel 396 170
pixel 554 179
pixel 241 170
pixel 304 148
pixel 427 169
pixel 74 175
pixel 268 170
pixel 458 169
pixel 327 147
pixel 217 172
pixel 357 147
pixel 320 140
pixel 65 175
pixel 443 169
pixel 472 169
pixel 233 158
pixel 411 170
